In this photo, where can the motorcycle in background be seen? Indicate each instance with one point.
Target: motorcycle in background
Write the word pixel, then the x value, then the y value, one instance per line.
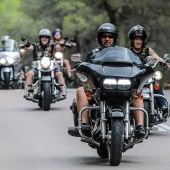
pixel 59 54
pixel 156 114
pixel 10 65
pixel 112 79
pixel 45 89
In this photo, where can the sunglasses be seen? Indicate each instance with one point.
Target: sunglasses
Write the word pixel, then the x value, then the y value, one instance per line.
pixel 44 37
pixel 107 36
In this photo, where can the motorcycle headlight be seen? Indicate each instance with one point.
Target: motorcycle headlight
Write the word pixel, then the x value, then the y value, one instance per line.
pixel 121 84
pixel 58 55
pixel 124 84
pixel 158 75
pixel 109 83
pixel 11 61
pixel 2 61
pixel 45 62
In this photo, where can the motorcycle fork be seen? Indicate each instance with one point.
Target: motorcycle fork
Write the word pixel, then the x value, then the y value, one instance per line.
pixel 126 120
pixel 103 118
pixel 52 82
pixel 152 99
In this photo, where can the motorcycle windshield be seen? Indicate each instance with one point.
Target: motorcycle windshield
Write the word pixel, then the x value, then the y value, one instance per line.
pixel 10 50
pixel 117 55
pixel 9 46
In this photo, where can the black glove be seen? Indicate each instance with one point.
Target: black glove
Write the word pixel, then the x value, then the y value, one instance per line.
pixel 28 44
pixel 163 63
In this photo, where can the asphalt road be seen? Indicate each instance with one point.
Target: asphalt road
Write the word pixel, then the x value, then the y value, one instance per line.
pixel 32 139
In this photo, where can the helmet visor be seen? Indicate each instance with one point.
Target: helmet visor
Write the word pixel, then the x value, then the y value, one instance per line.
pixel 57 33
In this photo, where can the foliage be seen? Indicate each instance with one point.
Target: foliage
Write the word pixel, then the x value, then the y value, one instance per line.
pixel 81 18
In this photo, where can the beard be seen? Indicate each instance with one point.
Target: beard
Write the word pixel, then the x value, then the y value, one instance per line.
pixel 44 42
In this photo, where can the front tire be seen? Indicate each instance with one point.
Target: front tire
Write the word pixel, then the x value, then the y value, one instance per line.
pixel 6 80
pixel 46 96
pixel 115 145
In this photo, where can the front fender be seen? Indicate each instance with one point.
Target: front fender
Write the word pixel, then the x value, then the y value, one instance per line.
pixel 46 78
pixel 117 114
pixel 6 69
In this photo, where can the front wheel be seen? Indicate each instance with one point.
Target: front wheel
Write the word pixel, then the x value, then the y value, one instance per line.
pixel 46 96
pixel 6 80
pixel 115 144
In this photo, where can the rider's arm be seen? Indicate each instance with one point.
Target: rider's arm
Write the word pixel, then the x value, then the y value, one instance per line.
pixel 153 54
pixel 30 48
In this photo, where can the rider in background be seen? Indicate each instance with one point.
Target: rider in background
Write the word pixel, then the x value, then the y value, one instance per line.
pixel 57 35
pixel 138 38
pixel 38 49
pixel 3 40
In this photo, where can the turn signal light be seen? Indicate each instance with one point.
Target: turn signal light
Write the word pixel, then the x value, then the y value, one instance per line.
pixel 88 95
pixel 156 87
pixel 140 96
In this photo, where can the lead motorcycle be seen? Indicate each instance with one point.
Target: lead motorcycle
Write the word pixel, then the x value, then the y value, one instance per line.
pixel 151 105
pixel 112 79
pixel 45 89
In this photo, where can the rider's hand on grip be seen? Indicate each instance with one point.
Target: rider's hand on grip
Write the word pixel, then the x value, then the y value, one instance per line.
pixel 28 44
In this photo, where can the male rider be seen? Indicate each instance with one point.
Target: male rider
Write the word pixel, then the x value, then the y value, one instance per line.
pixel 107 36
pixel 38 49
pixel 138 38
pixel 57 35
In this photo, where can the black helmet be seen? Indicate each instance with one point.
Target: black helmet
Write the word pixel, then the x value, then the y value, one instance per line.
pixel 57 30
pixel 137 31
pixel 107 28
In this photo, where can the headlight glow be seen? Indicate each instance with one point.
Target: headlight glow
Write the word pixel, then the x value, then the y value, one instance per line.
pixel 58 55
pixel 110 83
pixel 123 84
pixel 11 61
pixel 2 61
pixel 45 62
pixel 158 75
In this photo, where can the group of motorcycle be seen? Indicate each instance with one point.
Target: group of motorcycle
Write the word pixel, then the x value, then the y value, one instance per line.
pixel 114 81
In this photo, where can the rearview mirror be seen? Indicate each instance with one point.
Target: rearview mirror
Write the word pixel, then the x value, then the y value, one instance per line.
pixel 23 38
pixel 151 60
pixel 166 56
pixel 76 57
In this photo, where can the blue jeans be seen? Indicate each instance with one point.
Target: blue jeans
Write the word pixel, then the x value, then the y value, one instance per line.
pixel 160 101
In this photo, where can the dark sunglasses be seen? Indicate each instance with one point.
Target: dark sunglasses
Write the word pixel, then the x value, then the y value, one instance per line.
pixel 105 36
pixel 44 37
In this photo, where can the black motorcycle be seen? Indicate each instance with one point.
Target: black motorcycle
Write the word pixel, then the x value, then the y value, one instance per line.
pixel 113 78
pixel 156 114
pixel 59 55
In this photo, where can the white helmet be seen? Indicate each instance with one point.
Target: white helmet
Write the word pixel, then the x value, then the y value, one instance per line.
pixel 5 37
